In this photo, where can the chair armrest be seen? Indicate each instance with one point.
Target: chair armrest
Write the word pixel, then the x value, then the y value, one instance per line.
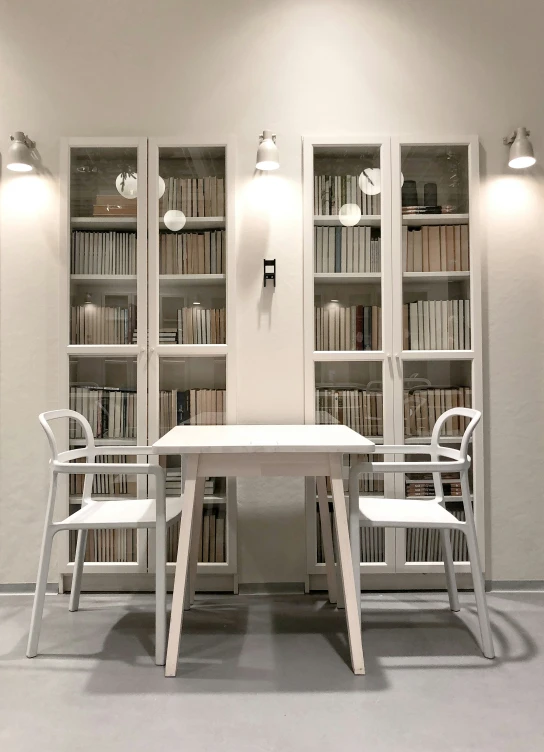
pixel 452 466
pixel 112 450
pixel 403 449
pixel 108 468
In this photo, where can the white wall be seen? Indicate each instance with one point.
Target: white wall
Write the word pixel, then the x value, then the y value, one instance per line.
pixel 297 66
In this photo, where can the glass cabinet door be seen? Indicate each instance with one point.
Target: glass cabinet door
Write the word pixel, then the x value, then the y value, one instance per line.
pixel 106 327
pixel 435 247
pixel 436 323
pixel 188 326
pixel 188 228
pixel 347 255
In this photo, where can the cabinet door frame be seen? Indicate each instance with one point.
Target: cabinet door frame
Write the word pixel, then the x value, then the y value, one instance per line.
pixel 402 358
pixel 157 351
pixel 311 356
pixel 138 350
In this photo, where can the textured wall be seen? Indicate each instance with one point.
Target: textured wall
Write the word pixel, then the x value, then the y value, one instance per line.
pixel 298 66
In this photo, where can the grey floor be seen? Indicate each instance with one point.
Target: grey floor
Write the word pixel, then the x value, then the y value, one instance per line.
pixel 271 673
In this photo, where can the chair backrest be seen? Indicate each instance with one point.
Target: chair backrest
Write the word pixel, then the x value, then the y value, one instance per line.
pixel 50 415
pixel 464 412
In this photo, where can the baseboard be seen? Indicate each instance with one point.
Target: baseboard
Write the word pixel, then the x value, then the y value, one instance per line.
pixel 516 585
pixel 25 587
pixel 271 588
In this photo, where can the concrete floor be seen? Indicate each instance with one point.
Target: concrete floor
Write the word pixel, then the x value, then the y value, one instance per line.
pixel 270 673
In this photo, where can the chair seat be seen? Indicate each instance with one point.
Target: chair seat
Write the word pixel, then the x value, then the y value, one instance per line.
pixel 380 512
pixel 121 513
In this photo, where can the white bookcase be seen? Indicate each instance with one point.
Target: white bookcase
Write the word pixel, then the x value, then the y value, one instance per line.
pixel 392 315
pixel 126 277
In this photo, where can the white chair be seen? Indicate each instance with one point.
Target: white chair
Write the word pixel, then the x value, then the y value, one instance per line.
pixel 155 513
pixel 429 513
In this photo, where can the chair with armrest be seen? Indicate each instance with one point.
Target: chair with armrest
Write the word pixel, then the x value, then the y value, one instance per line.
pixel 157 513
pixel 430 513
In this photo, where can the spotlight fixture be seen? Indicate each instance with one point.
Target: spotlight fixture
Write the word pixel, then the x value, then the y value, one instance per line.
pixel 19 153
pixel 521 149
pixel 268 156
pixel 88 299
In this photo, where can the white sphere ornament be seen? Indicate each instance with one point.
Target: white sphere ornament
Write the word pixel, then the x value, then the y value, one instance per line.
pixel 349 215
pixel 370 181
pixel 175 220
pixel 162 187
pixel 129 187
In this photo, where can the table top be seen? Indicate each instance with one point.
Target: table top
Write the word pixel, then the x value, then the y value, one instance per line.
pixel 257 438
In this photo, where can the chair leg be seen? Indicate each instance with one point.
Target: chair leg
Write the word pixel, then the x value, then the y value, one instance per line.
pixel 78 570
pixel 39 595
pixel 477 576
pixel 160 592
pixel 450 569
pixel 196 538
pixel 326 534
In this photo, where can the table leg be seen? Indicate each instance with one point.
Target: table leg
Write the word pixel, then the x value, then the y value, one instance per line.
pixel 355 537
pixel 346 565
pixel 326 536
pixel 182 562
pixel 196 538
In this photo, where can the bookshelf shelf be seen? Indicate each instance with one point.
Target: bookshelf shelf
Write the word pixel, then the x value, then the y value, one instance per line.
pixel 419 220
pixel 175 280
pixel 435 277
pixel 129 223
pixel 333 220
pixel 348 278
pixel 117 281
pixel 378 391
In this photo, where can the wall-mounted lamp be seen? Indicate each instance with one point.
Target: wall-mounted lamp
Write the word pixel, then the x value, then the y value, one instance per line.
pixel 19 153
pixel 88 299
pixel 521 149
pixel 268 156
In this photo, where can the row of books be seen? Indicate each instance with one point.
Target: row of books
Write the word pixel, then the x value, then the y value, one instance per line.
pixel 436 248
pixel 201 326
pixel 102 325
pixel 372 542
pixel 173 483
pixel 421 484
pixel 195 197
pixel 107 545
pixel 110 411
pixel 213 536
pixel 347 249
pixel 119 484
pixel 360 409
pixel 423 407
pixel 192 407
pixel 348 327
pixel 333 191
pixel 103 253
pixel 192 252
pixel 436 325
pixel 424 544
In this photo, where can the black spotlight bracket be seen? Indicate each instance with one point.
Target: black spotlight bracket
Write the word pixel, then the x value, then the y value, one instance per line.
pixel 269 271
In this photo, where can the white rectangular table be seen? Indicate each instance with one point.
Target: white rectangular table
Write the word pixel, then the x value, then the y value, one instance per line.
pixel 254 451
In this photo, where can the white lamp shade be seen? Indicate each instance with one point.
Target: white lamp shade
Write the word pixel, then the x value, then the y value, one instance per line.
pixel 349 214
pixel 268 156
pixel 19 155
pixel 127 187
pixel 521 150
pixel 175 220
